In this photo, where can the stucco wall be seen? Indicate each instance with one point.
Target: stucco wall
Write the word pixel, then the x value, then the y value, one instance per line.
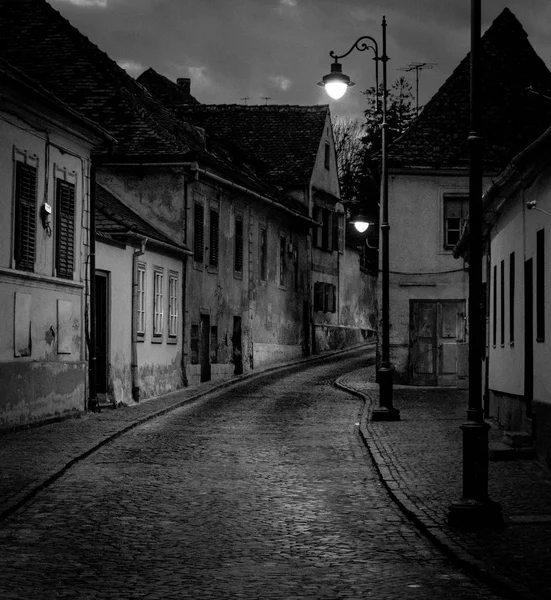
pixel 159 359
pixel 42 347
pixel 420 267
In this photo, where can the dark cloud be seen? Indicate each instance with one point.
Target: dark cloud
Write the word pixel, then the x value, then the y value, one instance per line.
pixel 280 48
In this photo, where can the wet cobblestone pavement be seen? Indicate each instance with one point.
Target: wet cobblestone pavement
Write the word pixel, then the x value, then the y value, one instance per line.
pixel 263 490
pixel 420 461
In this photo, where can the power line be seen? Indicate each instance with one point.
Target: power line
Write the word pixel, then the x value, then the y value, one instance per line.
pixel 417 66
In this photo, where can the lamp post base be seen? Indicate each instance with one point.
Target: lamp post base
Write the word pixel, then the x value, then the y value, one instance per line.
pixel 474 509
pixel 385 411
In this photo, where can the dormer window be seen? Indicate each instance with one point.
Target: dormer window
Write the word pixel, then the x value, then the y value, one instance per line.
pixel 326 158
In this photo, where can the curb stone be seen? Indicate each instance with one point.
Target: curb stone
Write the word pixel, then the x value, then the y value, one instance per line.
pixel 440 534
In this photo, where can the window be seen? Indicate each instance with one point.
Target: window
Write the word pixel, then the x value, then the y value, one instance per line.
pixel 540 285
pixel 318 217
pixel 502 303
pixel 157 302
pixel 512 297
pixel 140 305
pixel 263 254
pixel 282 259
pixel 327 156
pixel 214 238
pixel 198 233
pixel 456 210
pixel 214 344
pixel 173 305
pixel 325 297
pixel 194 344
pixel 238 240
pixel 494 332
pixel 326 235
pixel 25 216
pixel 65 229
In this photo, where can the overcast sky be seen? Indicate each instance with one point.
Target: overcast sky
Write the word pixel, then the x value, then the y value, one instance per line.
pixel 279 49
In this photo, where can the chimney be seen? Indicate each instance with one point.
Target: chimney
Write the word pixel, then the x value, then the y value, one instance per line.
pixel 185 84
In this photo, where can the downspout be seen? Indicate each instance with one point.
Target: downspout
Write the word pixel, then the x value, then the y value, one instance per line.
pixel 184 287
pixel 93 404
pixel 134 335
pixel 311 342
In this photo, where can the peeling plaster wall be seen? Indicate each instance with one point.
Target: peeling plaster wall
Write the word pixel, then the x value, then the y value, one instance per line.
pixel 155 193
pixel 420 267
pixel 42 348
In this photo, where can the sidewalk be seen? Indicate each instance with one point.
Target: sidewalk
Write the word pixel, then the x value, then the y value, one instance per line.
pixel 419 459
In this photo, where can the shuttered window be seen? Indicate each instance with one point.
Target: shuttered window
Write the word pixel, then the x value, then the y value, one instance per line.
pixel 282 259
pixel 263 254
pixel 140 305
pixel 238 256
pixel 25 216
pixel 65 229
pixel 198 233
pixel 214 238
pixel 325 297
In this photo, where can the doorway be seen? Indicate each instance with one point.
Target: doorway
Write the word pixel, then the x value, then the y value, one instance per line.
pixel 101 283
pixel 436 326
pixel 237 346
pixel 528 336
pixel 205 348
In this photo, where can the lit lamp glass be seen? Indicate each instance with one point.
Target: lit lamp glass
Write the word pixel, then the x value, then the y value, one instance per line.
pixel 361 226
pixel 336 83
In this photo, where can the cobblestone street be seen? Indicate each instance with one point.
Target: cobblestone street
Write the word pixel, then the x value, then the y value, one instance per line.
pixel 262 490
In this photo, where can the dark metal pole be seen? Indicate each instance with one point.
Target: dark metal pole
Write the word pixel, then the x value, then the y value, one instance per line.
pixel 385 411
pixel 475 509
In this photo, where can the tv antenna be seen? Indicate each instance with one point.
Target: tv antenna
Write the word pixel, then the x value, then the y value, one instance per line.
pixel 266 98
pixel 245 99
pixel 417 66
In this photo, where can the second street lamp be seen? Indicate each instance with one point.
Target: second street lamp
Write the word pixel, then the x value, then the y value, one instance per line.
pixel 336 83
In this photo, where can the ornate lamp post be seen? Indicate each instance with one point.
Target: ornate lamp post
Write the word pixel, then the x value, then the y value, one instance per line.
pixel 336 83
pixel 475 509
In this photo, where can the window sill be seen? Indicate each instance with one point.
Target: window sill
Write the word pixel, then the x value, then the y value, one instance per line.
pixel 512 343
pixel 157 339
pixel 540 340
pixel 172 340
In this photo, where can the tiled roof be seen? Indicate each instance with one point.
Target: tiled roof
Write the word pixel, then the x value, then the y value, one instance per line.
pixel 45 46
pixel 165 90
pixel 512 116
pixel 284 138
pixel 115 220
pixel 11 76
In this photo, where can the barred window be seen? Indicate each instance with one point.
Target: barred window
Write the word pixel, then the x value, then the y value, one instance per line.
pixel 140 305
pixel 173 305
pixel 214 238
pixel 238 255
pixel 25 216
pixel 158 303
pixel 263 254
pixel 65 229
pixel 282 259
pixel 198 233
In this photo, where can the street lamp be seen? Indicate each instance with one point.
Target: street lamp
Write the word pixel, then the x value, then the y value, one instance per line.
pixel 474 508
pixel 336 83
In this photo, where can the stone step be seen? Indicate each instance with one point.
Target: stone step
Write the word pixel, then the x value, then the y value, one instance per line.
pixel 517 439
pixel 502 451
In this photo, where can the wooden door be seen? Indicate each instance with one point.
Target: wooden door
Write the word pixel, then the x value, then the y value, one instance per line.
pixel 436 326
pixel 102 319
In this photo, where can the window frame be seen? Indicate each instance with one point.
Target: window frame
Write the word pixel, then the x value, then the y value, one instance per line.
pixel 282 271
pixel 214 237
pixel 463 199
pixel 158 304
pixel 239 242
pixel 198 232
pixel 141 283
pixel 173 306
